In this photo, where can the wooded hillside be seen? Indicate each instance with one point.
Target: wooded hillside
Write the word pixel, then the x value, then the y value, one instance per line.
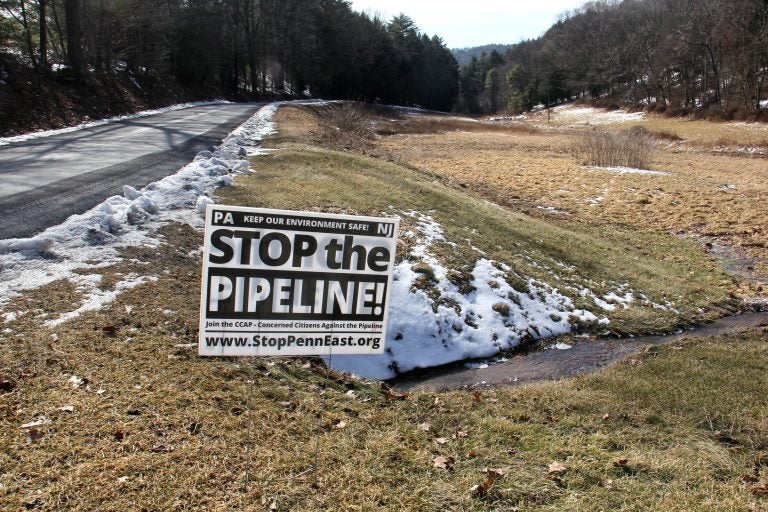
pixel 671 55
pixel 707 57
pixel 252 48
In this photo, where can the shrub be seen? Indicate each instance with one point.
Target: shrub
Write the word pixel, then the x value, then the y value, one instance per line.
pixel 632 148
pixel 345 124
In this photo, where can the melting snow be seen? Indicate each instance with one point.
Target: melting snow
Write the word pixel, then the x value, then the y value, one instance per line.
pixel 630 170
pixel 423 332
pixel 90 241
pixel 593 116
pixel 426 329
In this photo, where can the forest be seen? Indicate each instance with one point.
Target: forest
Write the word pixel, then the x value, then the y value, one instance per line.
pixel 677 56
pixel 240 48
pixel 707 57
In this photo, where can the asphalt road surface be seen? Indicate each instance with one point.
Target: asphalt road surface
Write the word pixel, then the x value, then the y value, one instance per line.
pixel 43 181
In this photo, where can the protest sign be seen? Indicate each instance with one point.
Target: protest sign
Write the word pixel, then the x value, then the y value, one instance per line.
pixel 279 282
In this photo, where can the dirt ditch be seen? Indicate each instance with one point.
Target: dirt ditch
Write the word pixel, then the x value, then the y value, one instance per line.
pixel 585 355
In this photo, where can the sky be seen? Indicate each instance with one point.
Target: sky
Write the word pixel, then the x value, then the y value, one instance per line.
pixel 474 23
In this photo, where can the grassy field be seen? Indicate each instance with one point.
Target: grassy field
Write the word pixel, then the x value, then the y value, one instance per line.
pixel 704 191
pixel 113 410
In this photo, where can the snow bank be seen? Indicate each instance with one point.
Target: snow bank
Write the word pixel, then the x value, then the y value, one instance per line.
pixel 91 124
pixel 424 332
pixel 91 240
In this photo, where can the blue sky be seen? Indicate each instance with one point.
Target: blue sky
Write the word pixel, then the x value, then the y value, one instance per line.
pixel 475 23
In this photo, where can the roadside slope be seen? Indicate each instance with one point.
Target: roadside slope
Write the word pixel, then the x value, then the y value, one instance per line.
pixel 113 409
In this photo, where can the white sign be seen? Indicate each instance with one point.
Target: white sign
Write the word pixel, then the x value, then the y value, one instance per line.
pixel 279 282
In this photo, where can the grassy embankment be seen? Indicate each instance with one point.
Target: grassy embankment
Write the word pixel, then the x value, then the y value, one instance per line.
pixel 155 427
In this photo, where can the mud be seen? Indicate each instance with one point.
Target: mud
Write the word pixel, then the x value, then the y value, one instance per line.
pixel 586 355
pixel 735 261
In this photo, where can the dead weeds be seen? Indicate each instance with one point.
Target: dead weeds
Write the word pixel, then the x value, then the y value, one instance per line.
pixel 113 410
pixel 699 193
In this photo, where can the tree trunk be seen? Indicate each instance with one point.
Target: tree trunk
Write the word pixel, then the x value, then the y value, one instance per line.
pixel 43 35
pixel 73 15
pixel 28 34
pixel 59 32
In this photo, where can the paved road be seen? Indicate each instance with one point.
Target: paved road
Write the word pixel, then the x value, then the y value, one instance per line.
pixel 43 181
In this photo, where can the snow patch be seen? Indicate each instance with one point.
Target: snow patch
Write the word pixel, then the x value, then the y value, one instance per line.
pixel 425 331
pixel 593 116
pixel 90 241
pixel 630 170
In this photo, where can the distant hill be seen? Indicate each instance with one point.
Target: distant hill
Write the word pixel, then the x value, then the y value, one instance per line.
pixel 464 55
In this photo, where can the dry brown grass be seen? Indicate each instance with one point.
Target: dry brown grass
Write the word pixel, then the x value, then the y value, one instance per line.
pixel 721 195
pixel 154 427
pixel 631 148
pixel 343 125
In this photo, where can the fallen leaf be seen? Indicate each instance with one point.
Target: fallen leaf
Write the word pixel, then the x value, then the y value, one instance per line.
pixel 441 440
pixel 477 396
pixel 6 386
pixel 37 423
pixel 443 463
pixel 341 424
pixel 478 491
pixel 760 490
pixel 607 483
pixel 76 381
pixel 391 395
pixel 462 434
pixel 67 408
pixel 621 463
pixel 725 438
pixel 426 426
pixel 123 479
pixel 162 448
pixel 34 435
pixel 33 504
pixel 472 454
pixel 606 417
pixel 557 468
